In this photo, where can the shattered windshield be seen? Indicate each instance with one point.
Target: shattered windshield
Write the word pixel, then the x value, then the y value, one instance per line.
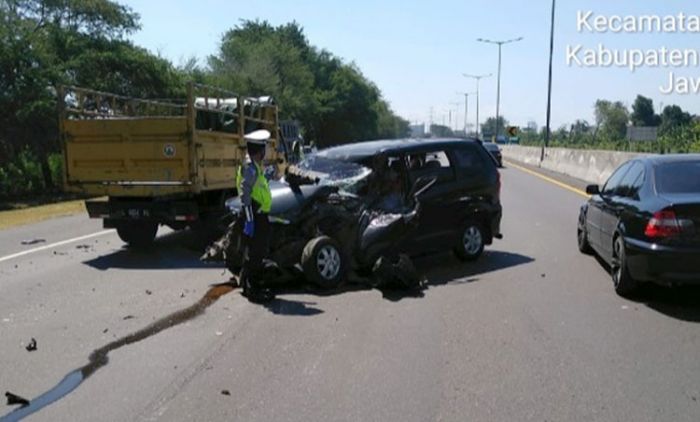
pixel 346 175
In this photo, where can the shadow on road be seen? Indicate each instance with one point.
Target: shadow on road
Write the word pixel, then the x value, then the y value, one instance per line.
pixel 680 302
pixel 438 270
pixel 443 269
pixel 174 250
pixel 446 269
pixel 676 302
pixel 281 306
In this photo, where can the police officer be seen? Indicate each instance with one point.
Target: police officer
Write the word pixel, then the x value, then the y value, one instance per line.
pixel 256 200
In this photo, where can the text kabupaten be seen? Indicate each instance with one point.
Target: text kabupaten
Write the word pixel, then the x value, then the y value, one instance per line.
pixel 601 56
pixel 588 21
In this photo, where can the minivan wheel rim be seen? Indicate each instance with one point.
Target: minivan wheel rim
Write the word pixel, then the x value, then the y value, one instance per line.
pixel 328 262
pixel 472 240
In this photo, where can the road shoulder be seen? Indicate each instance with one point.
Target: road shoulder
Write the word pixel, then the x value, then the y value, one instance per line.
pixel 562 180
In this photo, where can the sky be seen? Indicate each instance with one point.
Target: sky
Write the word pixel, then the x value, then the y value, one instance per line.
pixel 416 52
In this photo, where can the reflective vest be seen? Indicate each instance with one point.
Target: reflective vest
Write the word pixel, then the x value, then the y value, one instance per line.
pixel 261 190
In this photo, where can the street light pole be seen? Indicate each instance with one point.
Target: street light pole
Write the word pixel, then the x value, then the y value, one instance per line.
pixel 456 106
pixel 478 78
pixel 549 84
pixel 498 84
pixel 466 109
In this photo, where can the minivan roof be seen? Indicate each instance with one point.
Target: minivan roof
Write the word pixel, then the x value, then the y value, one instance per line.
pixel 359 150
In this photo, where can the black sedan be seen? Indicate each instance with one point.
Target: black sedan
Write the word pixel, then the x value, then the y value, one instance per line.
pixel 645 222
pixel 495 152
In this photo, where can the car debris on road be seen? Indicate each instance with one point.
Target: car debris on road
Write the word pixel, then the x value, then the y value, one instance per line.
pixel 31 347
pixel 33 241
pixel 14 400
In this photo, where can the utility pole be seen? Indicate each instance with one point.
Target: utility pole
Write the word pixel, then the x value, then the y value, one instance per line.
pixel 498 89
pixel 549 87
pixel 477 78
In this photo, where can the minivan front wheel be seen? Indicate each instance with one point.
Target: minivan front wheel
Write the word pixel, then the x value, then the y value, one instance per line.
pixel 323 262
pixel 471 242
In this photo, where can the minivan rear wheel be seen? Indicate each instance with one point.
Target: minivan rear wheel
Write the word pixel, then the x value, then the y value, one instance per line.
pixel 471 242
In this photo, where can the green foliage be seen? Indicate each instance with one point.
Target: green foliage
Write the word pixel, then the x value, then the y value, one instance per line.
pixel 679 132
pixel 672 118
pixel 24 176
pixel 611 119
pixel 491 126
pixel 48 43
pixel 643 112
pixel 333 100
pixel 441 131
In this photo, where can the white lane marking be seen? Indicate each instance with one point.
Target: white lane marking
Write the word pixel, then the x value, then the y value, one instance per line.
pixel 53 245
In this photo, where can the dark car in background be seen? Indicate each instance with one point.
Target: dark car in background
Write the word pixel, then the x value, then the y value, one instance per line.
pixel 495 151
pixel 364 204
pixel 645 222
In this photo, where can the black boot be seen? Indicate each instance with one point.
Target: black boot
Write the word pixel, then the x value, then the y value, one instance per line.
pixel 259 294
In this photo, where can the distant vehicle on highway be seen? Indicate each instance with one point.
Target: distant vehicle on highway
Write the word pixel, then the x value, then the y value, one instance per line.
pixel 495 151
pixel 645 222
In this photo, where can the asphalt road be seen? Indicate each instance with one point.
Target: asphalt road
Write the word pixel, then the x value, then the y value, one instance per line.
pixel 532 331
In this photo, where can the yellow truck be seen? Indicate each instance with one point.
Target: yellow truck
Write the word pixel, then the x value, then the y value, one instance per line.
pixel 160 162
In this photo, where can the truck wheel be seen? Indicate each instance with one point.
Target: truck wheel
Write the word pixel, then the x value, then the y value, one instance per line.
pixel 137 234
pixel 323 262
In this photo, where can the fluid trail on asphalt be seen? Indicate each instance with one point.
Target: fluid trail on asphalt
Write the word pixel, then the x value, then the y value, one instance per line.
pixel 99 357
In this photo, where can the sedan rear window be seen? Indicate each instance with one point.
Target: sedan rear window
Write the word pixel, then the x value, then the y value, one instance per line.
pixel 683 177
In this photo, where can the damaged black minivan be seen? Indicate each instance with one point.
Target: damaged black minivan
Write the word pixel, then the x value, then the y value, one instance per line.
pixel 367 207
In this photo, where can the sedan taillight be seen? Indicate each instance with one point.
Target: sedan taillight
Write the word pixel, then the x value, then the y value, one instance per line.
pixel 662 225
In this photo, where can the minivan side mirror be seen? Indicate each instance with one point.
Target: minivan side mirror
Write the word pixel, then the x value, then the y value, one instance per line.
pixel 592 190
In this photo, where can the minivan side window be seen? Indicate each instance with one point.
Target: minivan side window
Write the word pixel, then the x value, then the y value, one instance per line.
pixel 431 163
pixel 468 159
pixel 437 159
pixel 613 182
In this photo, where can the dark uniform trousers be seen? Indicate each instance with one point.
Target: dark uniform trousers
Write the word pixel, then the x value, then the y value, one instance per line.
pixel 256 249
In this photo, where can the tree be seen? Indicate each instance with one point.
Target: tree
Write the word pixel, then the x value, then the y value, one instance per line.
pixel 491 127
pixel 580 131
pixel 440 131
pixel 334 102
pixel 562 134
pixel 643 112
pixel 611 119
pixel 673 117
pixel 46 43
pixel 580 127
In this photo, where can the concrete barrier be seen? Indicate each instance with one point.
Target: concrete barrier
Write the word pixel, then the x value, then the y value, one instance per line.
pixel 592 166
